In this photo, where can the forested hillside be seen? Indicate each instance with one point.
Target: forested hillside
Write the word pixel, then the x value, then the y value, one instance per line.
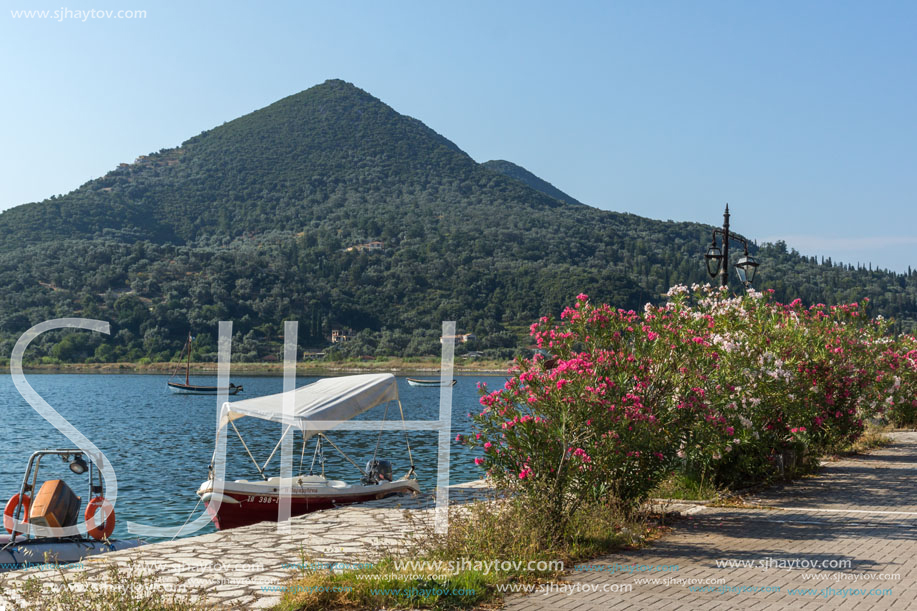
pixel 271 217
pixel 525 177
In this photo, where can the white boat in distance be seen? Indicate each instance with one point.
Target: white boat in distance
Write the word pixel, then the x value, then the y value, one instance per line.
pixel 420 382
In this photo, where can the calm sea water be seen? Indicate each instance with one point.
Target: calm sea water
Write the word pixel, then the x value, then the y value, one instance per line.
pixel 160 443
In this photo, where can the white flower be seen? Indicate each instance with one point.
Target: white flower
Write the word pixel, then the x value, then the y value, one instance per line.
pixel 678 289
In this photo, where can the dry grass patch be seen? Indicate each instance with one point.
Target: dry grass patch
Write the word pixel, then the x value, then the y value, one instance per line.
pixel 458 569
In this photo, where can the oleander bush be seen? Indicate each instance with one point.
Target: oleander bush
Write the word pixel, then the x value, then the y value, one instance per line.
pixel 897 368
pixel 731 390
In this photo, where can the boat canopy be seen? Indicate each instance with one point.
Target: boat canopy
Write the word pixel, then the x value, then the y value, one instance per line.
pixel 340 398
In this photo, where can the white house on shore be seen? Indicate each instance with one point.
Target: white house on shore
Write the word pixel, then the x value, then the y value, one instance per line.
pixel 459 338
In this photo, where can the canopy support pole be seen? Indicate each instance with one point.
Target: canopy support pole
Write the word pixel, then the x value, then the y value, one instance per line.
pixel 290 426
pixel 318 442
pixel 302 454
pixel 257 466
pixel 379 438
pixel 342 454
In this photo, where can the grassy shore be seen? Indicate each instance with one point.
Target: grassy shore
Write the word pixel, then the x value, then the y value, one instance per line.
pixel 392 365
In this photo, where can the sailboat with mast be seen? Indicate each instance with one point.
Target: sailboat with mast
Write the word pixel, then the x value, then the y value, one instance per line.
pixel 193 389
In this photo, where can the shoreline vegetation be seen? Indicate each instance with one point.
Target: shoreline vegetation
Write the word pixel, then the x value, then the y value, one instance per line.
pixel 395 365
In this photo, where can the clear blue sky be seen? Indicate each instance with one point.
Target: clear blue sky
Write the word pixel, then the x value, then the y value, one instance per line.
pixel 800 114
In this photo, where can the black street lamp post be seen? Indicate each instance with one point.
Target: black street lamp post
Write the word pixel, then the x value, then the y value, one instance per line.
pixel 718 261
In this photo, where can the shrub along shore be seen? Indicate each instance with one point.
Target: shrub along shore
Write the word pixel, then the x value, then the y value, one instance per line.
pixel 731 390
pixel 397 365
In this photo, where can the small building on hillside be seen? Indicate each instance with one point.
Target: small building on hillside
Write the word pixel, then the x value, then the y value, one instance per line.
pixel 367 246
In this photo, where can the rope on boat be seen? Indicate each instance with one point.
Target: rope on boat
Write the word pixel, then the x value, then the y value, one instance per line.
pixel 188 520
pixel 178 364
pixel 408 443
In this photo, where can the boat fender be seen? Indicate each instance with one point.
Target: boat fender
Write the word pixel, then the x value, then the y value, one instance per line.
pixel 8 521
pixel 95 531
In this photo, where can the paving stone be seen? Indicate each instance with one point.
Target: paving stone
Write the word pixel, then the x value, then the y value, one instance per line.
pixel 863 509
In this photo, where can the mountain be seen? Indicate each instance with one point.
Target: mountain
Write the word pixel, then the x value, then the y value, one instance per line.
pixel 527 178
pixel 331 208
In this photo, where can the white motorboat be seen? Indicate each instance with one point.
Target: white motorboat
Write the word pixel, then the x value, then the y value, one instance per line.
pixel 243 502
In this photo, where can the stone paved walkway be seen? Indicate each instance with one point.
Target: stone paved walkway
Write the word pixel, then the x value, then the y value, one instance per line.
pixel 860 513
pixel 236 568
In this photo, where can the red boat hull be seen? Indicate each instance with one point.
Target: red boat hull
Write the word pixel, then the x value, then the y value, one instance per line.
pixel 252 509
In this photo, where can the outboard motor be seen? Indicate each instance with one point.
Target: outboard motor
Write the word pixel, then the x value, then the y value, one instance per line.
pixel 377 471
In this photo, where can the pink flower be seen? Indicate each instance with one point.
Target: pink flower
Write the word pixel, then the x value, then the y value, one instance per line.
pixel 478 461
pixel 581 453
pixel 487 445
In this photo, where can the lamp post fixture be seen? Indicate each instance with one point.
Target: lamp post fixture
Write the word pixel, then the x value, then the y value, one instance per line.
pixel 718 261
